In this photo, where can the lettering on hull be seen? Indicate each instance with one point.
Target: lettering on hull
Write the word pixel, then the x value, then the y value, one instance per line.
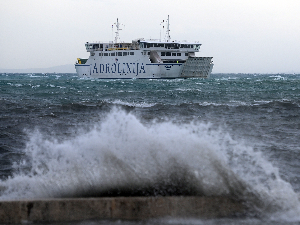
pixel 119 68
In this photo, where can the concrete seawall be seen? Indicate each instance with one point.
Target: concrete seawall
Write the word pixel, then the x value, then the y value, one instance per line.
pixel 127 208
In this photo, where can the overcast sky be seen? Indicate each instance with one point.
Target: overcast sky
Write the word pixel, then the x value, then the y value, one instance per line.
pixel 243 36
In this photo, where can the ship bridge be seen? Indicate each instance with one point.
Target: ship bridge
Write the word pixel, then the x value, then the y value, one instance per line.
pixel 174 46
pixel 109 46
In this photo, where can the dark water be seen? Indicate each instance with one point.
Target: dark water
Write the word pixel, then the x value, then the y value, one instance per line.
pixel 232 134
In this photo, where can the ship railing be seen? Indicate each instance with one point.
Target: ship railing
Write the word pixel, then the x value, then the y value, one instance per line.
pixel 114 49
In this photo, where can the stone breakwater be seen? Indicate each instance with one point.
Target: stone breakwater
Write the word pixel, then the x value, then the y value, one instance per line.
pixel 124 208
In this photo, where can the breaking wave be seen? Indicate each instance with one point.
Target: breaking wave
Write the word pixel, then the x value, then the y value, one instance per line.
pixel 121 156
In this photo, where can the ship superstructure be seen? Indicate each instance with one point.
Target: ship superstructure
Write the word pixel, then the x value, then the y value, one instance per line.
pixel 143 59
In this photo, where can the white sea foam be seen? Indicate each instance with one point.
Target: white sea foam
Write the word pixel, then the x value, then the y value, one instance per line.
pixel 209 104
pixel 122 153
pixel 135 104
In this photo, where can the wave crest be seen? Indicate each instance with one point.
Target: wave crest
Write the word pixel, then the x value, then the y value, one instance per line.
pixel 121 156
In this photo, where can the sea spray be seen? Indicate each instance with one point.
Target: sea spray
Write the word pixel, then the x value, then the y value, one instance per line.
pixel 121 156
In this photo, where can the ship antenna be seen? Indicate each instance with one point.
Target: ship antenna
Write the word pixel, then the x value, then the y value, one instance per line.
pixel 117 32
pixel 168 30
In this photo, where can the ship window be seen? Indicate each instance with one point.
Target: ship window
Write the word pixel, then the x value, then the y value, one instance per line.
pixel 105 54
pixel 178 54
pixel 186 46
pixel 148 53
pixel 173 54
pixel 186 54
pixel 124 53
pixel 131 53
pixel 95 46
pixel 112 54
pixel 168 54
pixel 163 54
pixel 100 54
pixel 119 53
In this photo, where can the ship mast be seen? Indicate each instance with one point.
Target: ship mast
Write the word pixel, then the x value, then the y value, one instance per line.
pixel 167 36
pixel 168 31
pixel 117 32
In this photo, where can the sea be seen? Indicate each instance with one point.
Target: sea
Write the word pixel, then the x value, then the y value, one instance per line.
pixel 233 135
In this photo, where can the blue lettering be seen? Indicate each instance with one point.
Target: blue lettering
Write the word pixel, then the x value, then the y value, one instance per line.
pixel 101 68
pixel 142 68
pixel 112 66
pixel 128 68
pixel 137 69
pixel 119 68
pixel 95 68
pixel 107 68
pixel 124 67
pixel 132 67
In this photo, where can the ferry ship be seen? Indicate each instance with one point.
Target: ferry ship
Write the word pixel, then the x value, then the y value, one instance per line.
pixel 150 59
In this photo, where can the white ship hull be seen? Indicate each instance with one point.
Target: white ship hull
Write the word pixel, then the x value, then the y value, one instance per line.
pixel 119 68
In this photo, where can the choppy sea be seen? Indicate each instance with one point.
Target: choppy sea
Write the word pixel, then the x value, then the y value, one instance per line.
pixel 232 134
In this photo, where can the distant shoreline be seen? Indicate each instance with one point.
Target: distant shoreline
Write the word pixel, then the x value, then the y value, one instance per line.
pixel 69 68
